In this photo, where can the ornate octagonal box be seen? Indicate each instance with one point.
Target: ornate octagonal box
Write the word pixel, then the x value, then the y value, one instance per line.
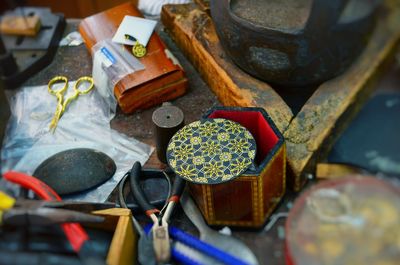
pixel 249 199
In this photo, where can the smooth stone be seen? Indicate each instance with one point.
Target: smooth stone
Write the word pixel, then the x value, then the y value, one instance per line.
pixel 76 170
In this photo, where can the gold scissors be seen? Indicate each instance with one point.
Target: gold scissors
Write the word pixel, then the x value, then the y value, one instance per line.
pixel 59 93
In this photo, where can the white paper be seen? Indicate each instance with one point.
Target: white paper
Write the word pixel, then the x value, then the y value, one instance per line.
pixel 153 7
pixel 72 39
pixel 140 28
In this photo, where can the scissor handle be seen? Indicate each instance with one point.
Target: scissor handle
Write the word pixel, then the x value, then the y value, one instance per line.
pixel 80 81
pixel 55 80
pixel 77 91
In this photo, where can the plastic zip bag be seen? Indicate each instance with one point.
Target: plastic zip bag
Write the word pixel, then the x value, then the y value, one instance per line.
pixel 86 123
pixel 111 63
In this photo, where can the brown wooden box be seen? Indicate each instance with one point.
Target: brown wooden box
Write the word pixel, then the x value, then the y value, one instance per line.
pixel 248 200
pixel 163 79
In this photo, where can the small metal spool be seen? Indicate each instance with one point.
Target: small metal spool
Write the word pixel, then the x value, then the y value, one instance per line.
pixel 168 119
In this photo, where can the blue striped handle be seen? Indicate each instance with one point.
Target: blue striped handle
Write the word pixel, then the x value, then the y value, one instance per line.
pixel 199 245
pixel 204 247
pixel 183 259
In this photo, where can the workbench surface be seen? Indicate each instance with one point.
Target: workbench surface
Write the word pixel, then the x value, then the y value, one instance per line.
pixel 75 62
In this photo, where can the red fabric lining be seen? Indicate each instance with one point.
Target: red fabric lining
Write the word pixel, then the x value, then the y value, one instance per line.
pixel 255 122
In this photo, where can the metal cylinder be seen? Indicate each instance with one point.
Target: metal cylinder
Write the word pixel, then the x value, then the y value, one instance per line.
pixel 167 119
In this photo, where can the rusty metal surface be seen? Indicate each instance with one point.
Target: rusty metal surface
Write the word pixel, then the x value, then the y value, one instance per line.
pixel 293 43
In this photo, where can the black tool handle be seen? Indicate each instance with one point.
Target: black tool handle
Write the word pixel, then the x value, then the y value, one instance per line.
pixel 138 192
pixel 177 189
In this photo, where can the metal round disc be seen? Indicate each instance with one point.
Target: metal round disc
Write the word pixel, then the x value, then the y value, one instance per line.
pixel 211 151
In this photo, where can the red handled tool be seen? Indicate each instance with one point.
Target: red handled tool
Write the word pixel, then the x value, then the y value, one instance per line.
pixel 76 235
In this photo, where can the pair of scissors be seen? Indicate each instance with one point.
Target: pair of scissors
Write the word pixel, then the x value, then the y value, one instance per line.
pixel 160 230
pixel 59 93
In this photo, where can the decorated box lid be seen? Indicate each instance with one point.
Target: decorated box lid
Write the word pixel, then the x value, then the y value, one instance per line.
pixel 211 151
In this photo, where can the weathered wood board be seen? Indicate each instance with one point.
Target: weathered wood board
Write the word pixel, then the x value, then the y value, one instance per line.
pixel 204 5
pixel 311 133
pixel 193 31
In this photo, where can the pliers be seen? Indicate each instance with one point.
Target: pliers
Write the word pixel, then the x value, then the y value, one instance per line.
pixel 161 239
pixel 44 213
pixel 76 235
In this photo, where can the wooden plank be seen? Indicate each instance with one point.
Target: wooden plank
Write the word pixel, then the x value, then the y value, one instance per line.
pixel 204 5
pixel 326 114
pixel 193 31
pixel 330 171
pixel 123 245
pixel 20 25
pixel 312 132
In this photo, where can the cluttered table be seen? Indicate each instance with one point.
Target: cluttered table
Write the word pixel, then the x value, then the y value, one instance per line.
pixel 266 243
pixel 76 62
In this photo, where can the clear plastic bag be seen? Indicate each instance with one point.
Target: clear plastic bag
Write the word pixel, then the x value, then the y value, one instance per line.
pixel 85 124
pixel 111 63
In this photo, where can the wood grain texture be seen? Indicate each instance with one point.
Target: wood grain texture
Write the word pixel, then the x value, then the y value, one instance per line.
pixel 330 171
pixel 312 133
pixel 204 5
pixel 19 25
pixel 309 135
pixel 193 31
pixel 162 80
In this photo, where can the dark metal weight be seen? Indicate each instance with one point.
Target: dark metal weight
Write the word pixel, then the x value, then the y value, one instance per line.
pixel 167 119
pixel 293 43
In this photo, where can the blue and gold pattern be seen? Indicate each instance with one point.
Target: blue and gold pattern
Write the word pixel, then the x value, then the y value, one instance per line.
pixel 211 151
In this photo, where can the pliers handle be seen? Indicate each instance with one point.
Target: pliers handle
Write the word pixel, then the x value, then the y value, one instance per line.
pixel 161 241
pixel 176 192
pixel 76 235
pixel 45 217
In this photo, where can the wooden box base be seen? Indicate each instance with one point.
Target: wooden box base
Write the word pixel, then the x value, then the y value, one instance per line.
pixel 311 133
pixel 249 199
pixel 163 79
